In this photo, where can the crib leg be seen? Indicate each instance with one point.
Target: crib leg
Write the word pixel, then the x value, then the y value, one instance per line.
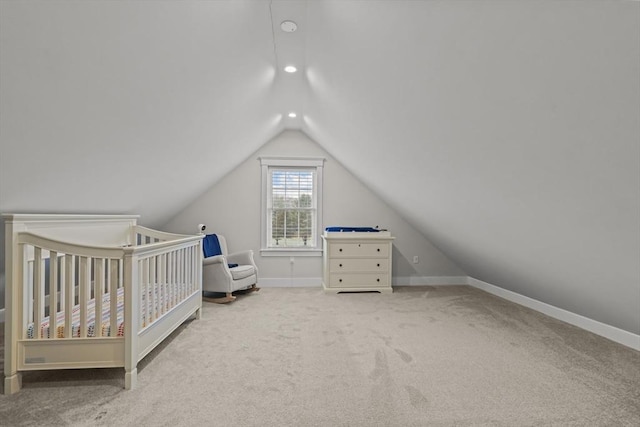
pixel 131 379
pixel 13 383
pixel 199 314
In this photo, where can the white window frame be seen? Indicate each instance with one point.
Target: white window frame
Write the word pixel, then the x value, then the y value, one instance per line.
pixel 267 163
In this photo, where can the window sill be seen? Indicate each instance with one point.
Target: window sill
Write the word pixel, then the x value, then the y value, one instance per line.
pixel 290 252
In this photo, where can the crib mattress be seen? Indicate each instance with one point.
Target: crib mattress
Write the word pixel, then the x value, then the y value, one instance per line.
pixel 45 329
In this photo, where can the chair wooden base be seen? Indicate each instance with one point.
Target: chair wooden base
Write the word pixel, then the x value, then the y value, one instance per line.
pixel 253 288
pixel 229 297
pixel 220 300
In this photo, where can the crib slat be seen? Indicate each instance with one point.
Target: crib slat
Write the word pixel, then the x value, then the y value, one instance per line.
pixel 85 280
pixel 142 292
pixel 162 296
pixel 187 271
pixel 180 278
pixel 187 266
pixel 197 260
pixel 185 284
pixel 28 298
pixel 98 292
pixel 192 276
pixel 152 291
pixel 69 284
pixel 153 315
pixel 114 275
pixel 147 295
pixel 165 281
pixel 170 280
pixel 160 284
pixel 194 265
pixel 187 276
pixel 197 264
pixel 176 276
pixel 176 284
pixel 191 272
pixel 180 281
pixel 61 283
pixel 53 294
pixel 38 292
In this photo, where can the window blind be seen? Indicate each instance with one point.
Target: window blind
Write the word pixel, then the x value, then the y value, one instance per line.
pixel 292 207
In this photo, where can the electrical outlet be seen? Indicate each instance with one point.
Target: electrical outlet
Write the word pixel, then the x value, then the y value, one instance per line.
pixel 415 259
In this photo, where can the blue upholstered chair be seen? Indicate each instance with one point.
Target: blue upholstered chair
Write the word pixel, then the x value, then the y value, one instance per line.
pixel 224 273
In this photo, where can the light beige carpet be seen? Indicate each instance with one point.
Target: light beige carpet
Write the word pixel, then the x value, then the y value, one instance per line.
pixel 422 356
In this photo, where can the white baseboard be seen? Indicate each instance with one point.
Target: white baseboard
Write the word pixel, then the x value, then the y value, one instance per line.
pixel 1 315
pixel 306 282
pixel 288 282
pixel 429 280
pixel 610 332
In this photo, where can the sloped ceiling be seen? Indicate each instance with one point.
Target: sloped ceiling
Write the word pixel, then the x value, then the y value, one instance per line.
pixel 507 132
pixel 131 106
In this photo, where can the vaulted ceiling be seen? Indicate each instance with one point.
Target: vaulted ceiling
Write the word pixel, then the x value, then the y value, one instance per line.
pixel 506 132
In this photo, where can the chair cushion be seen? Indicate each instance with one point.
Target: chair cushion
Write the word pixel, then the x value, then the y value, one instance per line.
pixel 242 271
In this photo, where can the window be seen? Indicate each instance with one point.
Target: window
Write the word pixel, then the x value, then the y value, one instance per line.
pixel 291 206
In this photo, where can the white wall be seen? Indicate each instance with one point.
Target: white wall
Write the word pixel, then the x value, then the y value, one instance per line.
pixel 517 122
pixel 232 208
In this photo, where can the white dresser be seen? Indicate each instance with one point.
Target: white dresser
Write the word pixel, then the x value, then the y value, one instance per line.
pixel 357 261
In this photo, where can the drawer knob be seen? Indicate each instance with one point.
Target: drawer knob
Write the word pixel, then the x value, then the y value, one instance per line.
pixel 377 280
pixel 340 265
pixel 340 280
pixel 340 249
pixel 378 265
pixel 378 249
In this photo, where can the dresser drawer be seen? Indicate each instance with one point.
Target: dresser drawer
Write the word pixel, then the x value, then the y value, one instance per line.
pixel 358 265
pixel 347 250
pixel 358 280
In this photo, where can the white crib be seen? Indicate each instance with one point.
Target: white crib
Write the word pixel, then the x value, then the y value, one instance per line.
pixel 93 291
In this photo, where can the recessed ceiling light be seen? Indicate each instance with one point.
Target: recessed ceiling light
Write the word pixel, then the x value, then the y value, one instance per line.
pixel 288 26
pixel 293 115
pixel 290 69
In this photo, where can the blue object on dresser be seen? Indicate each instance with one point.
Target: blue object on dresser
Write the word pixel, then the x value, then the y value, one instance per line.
pixel 357 229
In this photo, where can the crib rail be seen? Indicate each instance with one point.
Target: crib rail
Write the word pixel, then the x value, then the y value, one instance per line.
pixel 60 277
pixel 144 235
pixel 62 280
pixel 168 272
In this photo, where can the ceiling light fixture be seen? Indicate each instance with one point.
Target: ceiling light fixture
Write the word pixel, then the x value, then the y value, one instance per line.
pixel 288 26
pixel 290 69
pixel 293 115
